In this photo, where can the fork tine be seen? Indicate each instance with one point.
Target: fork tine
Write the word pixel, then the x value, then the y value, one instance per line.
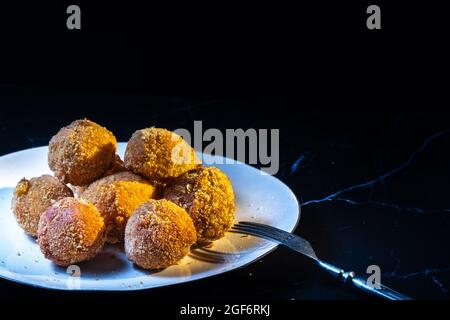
pixel 276 232
pixel 271 231
pixel 258 232
pixel 255 230
pixel 259 225
pixel 282 237
pixel 254 233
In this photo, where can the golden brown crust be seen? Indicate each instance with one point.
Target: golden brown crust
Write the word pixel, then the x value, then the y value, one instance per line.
pixel 77 190
pixel 116 197
pixel 71 231
pixel 159 154
pixel 81 152
pixel 158 234
pixel 117 166
pixel 207 196
pixel 32 197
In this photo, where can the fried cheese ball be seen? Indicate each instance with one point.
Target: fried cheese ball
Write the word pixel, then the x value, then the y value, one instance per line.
pixel 82 152
pixel 159 154
pixel 207 196
pixel 77 190
pixel 71 231
pixel 116 167
pixel 116 197
pixel 32 197
pixel 158 234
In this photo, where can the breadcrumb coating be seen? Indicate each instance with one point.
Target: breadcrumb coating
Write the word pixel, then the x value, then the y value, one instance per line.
pixel 32 197
pixel 114 205
pixel 116 197
pixel 116 167
pixel 158 234
pixel 159 154
pixel 71 231
pixel 207 196
pixel 81 152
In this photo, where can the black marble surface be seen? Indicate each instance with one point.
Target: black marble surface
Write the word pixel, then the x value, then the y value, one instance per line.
pixel 373 187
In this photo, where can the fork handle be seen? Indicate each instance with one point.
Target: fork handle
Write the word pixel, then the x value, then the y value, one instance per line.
pixel 350 277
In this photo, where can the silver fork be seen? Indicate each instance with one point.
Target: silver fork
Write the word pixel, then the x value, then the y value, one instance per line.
pixel 302 246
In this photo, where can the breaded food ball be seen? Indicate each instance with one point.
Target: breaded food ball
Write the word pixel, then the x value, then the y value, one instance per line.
pixel 207 196
pixel 77 190
pixel 70 231
pixel 158 234
pixel 116 197
pixel 81 152
pixel 117 166
pixel 32 197
pixel 159 154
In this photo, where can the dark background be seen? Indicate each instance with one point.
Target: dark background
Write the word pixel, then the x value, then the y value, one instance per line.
pixel 314 48
pixel 312 70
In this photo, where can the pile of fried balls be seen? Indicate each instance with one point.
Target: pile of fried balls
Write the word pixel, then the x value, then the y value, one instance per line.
pixel 158 201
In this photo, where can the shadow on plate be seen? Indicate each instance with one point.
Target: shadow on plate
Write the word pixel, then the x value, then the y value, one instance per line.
pixel 206 254
pixel 109 260
pixel 203 254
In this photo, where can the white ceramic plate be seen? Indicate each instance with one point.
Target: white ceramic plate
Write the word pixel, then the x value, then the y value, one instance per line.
pixel 259 197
